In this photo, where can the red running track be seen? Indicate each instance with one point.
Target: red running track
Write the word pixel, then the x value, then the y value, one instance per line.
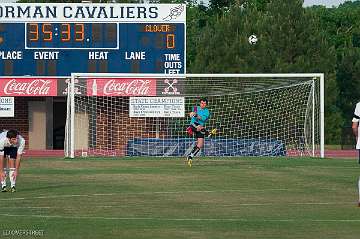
pixel 60 153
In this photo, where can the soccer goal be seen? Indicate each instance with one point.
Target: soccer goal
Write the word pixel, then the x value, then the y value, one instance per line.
pixel 147 115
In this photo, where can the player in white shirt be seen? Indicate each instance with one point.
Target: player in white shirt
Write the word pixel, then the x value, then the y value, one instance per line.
pixel 356 128
pixel 12 145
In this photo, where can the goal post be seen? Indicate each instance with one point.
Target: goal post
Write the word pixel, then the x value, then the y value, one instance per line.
pixel 254 114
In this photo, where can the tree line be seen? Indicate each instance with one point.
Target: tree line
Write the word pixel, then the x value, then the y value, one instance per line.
pixel 292 39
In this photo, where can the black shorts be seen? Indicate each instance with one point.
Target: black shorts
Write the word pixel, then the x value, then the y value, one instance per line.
pixel 198 134
pixel 11 152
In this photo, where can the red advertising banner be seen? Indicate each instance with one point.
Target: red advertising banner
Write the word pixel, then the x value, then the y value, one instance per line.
pixel 38 86
pixel 28 87
pixel 121 87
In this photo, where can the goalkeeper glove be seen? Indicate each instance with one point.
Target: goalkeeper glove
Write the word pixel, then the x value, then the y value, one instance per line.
pixel 189 130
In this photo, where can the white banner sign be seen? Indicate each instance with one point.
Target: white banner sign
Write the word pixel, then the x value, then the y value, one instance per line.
pixel 82 12
pixel 170 107
pixel 7 106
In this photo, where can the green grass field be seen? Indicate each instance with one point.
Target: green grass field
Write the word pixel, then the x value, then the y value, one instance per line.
pixel 163 198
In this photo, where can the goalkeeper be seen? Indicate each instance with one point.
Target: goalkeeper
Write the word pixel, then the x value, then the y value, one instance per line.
pixel 199 115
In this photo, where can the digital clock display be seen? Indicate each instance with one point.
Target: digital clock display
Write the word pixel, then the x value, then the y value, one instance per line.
pixel 72 35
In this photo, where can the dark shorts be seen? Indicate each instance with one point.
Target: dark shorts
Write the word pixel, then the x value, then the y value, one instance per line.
pixel 198 134
pixel 11 152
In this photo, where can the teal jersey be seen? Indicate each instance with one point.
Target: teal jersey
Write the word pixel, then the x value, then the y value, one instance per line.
pixel 203 113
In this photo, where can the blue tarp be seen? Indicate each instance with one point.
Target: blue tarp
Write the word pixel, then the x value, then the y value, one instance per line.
pixel 212 147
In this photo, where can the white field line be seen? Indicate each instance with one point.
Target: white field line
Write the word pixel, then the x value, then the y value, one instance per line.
pixel 24 207
pixel 259 204
pixel 326 167
pixel 179 219
pixel 237 205
pixel 144 193
pixel 150 193
pixel 223 205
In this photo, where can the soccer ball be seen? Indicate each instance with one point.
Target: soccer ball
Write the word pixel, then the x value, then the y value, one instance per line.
pixel 253 39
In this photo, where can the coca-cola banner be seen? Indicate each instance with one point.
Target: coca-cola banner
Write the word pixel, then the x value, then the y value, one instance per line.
pixel 121 87
pixel 35 86
pixel 28 87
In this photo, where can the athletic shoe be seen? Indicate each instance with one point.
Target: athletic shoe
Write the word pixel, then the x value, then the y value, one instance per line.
pixel 3 189
pixel 13 189
pixel 189 162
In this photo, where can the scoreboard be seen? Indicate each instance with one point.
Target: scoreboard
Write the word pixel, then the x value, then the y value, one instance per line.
pixel 38 39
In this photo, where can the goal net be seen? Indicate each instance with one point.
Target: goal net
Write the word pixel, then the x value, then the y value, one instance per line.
pixel 147 115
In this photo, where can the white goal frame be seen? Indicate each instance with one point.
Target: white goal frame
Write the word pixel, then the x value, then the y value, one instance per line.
pixel 320 76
